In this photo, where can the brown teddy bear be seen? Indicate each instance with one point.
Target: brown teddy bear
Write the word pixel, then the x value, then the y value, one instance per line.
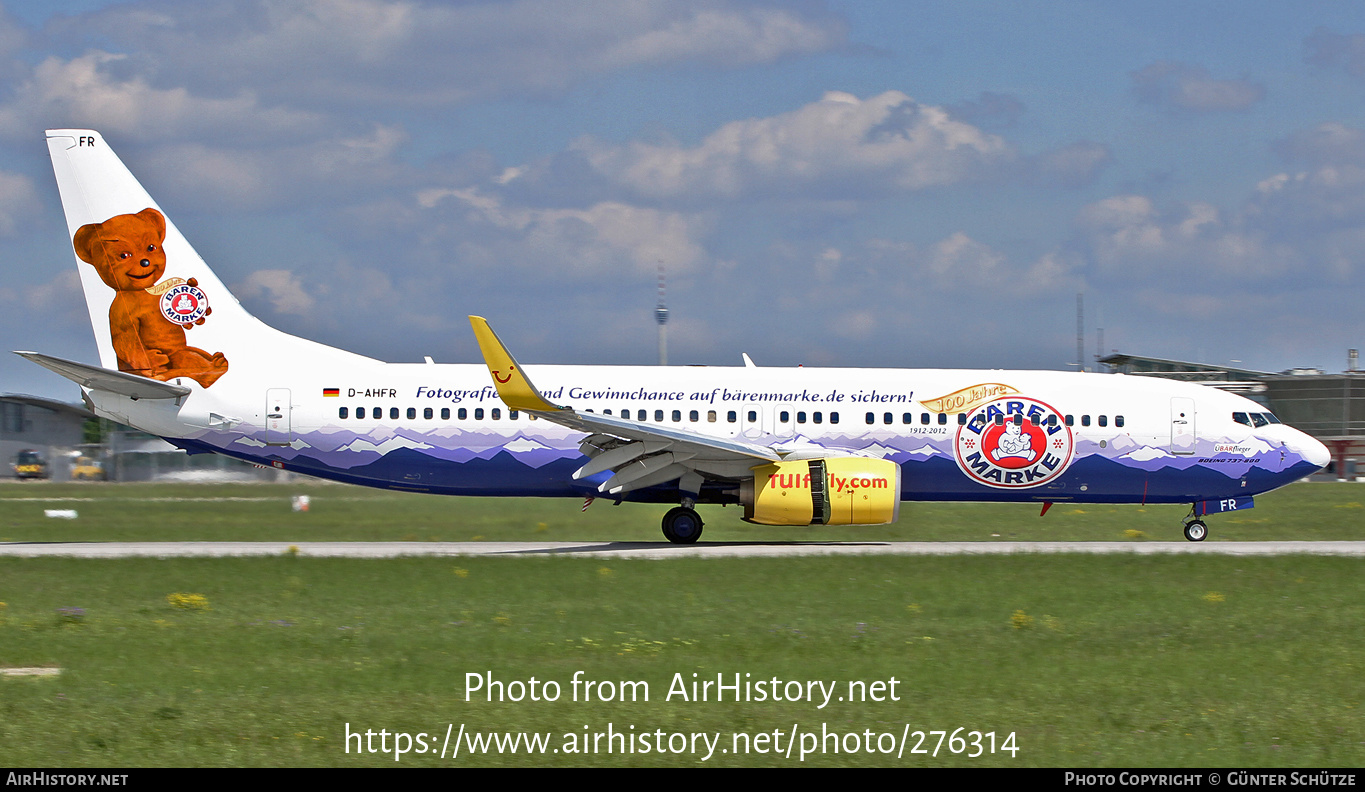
pixel 148 319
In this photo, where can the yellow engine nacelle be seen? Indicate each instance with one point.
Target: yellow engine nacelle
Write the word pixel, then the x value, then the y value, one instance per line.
pixel 837 491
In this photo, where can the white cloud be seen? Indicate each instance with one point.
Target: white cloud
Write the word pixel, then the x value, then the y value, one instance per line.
pixel 282 288
pixel 839 146
pixel 433 53
pixel 17 200
pixel 85 92
pixel 603 238
pixel 1187 87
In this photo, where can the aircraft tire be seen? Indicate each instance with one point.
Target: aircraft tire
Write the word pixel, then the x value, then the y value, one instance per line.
pixel 1196 530
pixel 682 525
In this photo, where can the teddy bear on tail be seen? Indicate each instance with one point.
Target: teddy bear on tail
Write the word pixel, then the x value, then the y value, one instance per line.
pixel 148 319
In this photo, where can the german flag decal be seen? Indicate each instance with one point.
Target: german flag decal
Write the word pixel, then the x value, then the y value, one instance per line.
pixel 331 391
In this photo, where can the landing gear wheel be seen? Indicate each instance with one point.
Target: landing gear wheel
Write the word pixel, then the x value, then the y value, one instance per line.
pixel 1196 530
pixel 682 525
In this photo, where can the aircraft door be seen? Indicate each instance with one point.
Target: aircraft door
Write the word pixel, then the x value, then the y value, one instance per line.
pixel 1182 426
pixel 278 417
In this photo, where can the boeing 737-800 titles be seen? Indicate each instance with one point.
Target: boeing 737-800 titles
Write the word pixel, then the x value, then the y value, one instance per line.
pixel 182 359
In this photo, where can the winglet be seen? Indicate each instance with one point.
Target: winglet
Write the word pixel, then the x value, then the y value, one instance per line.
pixel 515 390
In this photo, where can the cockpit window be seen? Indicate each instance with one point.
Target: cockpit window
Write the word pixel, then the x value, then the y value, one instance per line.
pixel 1271 418
pixel 1241 418
pixel 1258 420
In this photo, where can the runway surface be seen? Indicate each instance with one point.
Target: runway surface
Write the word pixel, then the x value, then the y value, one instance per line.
pixel 656 550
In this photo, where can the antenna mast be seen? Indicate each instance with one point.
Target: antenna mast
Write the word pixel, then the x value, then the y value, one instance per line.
pixel 661 316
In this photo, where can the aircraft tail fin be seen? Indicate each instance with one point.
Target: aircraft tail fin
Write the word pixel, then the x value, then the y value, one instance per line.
pixel 157 309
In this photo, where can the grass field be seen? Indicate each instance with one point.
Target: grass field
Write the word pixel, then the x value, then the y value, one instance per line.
pixel 238 512
pixel 1087 661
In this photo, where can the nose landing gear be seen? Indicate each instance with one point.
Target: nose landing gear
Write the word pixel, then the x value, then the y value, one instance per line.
pixel 1195 529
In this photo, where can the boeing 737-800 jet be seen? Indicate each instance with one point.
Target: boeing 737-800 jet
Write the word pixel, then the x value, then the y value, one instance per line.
pixel 182 359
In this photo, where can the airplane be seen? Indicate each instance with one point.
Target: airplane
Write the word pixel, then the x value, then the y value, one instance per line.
pixel 790 446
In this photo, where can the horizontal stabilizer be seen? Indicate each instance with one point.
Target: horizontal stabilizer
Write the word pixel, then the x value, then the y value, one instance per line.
pixel 103 379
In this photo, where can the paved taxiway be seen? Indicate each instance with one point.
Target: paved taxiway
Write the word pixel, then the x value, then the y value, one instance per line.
pixel 657 550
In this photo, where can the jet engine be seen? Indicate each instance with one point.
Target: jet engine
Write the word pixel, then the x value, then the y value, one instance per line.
pixel 830 491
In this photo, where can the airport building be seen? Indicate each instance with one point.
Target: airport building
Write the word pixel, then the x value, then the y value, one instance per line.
pixel 52 440
pixel 1330 407
pixel 37 436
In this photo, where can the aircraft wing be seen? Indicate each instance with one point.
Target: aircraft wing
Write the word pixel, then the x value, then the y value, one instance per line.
pixel 97 378
pixel 638 454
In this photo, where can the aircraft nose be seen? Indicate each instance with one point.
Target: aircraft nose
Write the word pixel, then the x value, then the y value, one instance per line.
pixel 1314 452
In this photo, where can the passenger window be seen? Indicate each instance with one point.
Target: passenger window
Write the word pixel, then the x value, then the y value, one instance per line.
pixel 1033 420
pixel 496 414
pixel 943 419
pixel 478 413
pixel 1118 421
pixel 731 416
pixel 817 417
pixel 888 418
pixel 428 413
pixel 412 413
pixel 694 416
pixel 907 418
pixel 445 413
pixel 1052 419
pixel 1018 419
pixel 871 418
pixel 800 416
pixel 962 419
pixel 999 419
pixel 659 416
pixel 753 416
pixel 677 416
pixel 360 412
pixel 1071 420
pixel 833 418
pixel 393 413
pixel 463 414
pixel 641 415
pixel 924 419
pixel 512 415
pixel 341 413
pixel 710 416
pixel 1104 420
pixel 1085 420
pixel 607 411
pixel 377 412
pixel 784 416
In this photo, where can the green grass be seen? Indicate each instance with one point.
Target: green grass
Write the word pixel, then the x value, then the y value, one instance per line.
pixel 162 512
pixel 1094 661
pixel 1088 661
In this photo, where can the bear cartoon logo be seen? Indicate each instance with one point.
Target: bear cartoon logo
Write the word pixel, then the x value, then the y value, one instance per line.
pixel 148 319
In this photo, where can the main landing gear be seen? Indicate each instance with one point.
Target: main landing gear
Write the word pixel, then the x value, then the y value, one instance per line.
pixel 682 525
pixel 1195 529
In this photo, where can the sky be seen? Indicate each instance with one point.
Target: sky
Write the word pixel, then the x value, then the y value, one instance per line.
pixel 863 183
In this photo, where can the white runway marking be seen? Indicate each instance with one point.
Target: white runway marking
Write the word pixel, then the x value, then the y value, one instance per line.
pixel 657 550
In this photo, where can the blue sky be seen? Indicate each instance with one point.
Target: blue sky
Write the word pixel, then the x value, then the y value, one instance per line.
pixel 827 183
